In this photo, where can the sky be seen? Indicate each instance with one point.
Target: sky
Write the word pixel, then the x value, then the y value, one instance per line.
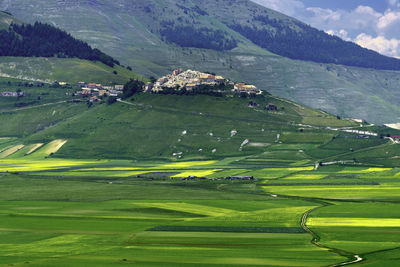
pixel 373 24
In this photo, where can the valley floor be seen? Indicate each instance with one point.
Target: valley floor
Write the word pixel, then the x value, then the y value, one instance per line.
pixel 59 212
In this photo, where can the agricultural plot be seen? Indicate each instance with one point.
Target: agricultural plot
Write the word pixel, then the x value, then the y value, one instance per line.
pixel 58 210
pixel 305 177
pixel 363 170
pixel 182 231
pixel 9 151
pixel 198 173
pixel 167 221
pixel 40 165
pixel 25 151
pixel 349 191
pixel 36 164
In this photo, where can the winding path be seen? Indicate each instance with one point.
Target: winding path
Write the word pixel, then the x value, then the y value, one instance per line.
pixel 353 258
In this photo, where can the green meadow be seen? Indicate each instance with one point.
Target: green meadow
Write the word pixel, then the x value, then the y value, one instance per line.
pixel 63 212
pixel 107 185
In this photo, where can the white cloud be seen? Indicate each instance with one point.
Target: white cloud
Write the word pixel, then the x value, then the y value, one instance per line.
pixel 325 14
pixel 288 7
pixel 361 18
pixel 379 31
pixel 341 33
pixel 390 18
pixel 380 44
pixel 367 10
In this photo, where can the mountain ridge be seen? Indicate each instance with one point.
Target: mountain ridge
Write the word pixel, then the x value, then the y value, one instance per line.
pixel 206 24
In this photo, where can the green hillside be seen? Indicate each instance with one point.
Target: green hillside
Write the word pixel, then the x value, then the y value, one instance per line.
pixel 63 69
pixel 134 40
pixel 59 58
pixel 173 127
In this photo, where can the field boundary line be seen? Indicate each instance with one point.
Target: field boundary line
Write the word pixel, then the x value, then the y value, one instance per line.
pixel 353 258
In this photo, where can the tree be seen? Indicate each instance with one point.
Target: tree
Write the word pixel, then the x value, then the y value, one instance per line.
pixel 44 40
pixel 132 87
pixel 190 36
pixel 111 100
pixel 152 79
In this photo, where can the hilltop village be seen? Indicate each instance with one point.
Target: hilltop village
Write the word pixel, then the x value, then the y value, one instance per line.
pixel 191 80
pixel 179 81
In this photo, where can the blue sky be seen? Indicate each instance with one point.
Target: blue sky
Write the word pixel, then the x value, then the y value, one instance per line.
pixel 378 5
pixel 374 24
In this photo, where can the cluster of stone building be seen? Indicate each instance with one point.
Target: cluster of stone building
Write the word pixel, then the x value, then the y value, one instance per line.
pixel 179 80
pixel 96 90
pixel 12 94
pixel 191 79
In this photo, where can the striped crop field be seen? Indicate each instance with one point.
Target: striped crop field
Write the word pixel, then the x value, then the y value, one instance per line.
pixel 354 222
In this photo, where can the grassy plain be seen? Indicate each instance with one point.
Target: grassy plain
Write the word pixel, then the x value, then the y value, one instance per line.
pixel 109 212
pixel 106 219
pixel 68 226
pixel 103 185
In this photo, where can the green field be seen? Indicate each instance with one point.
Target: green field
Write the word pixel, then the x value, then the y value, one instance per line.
pixel 58 212
pixel 155 180
pixel 107 185
pixel 62 212
pixel 90 212
pixel 60 229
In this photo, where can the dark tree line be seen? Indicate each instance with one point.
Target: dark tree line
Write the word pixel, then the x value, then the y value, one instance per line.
pixel 201 90
pixel 307 43
pixel 132 87
pixel 197 10
pixel 44 40
pixel 189 36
